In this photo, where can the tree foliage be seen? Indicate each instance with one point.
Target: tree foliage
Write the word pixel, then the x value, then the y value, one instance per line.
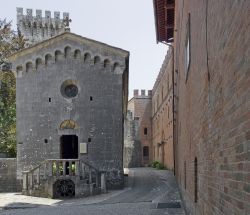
pixel 10 42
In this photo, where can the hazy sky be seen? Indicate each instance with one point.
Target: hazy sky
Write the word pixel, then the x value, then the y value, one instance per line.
pixel 127 24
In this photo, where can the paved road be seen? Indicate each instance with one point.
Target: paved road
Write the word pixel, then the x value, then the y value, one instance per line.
pixel 147 189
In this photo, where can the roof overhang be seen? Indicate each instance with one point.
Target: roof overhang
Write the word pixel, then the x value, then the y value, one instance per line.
pixel 164 11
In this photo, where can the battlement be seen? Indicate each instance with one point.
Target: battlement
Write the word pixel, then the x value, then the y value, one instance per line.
pixel 38 28
pixel 143 93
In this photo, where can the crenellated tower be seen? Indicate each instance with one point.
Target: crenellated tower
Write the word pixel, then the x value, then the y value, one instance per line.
pixel 38 28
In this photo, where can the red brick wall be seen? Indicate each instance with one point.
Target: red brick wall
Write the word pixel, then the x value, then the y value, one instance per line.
pixel 213 109
pixel 162 114
pixel 141 107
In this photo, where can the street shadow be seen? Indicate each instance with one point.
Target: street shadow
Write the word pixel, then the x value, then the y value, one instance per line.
pixel 21 205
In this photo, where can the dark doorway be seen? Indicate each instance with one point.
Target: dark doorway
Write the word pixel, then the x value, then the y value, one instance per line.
pixel 69 147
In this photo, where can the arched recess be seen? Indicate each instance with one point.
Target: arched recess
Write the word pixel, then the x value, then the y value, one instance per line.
pixel 68 124
pixel 106 63
pixel 29 67
pixel 38 63
pixel 48 59
pixel 58 55
pixel 87 57
pixel 19 71
pixel 77 54
pixel 67 51
pixel 97 60
pixel 116 68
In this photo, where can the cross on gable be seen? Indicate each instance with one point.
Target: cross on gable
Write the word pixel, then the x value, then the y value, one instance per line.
pixel 66 21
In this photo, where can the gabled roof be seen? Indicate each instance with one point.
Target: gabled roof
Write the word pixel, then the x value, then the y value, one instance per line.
pixel 70 36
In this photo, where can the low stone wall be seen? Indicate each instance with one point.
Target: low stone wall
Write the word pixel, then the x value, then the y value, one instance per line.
pixel 8 182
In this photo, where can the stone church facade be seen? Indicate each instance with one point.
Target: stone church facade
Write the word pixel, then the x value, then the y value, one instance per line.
pixel 71 97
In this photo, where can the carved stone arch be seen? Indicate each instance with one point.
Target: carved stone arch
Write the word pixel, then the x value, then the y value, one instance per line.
pixel 58 55
pixel 67 51
pixel 48 59
pixel 68 124
pixel 39 63
pixel 87 57
pixel 97 60
pixel 29 67
pixel 77 54
pixel 19 71
pixel 106 64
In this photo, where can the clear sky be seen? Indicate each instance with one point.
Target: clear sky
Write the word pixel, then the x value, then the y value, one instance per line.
pixel 127 24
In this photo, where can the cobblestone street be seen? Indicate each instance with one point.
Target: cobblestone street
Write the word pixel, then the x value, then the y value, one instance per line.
pixel 148 191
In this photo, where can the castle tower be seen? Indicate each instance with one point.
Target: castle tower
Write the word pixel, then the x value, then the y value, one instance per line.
pixel 38 28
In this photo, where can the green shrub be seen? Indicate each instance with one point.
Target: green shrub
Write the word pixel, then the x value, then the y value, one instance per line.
pixel 160 166
pixel 154 164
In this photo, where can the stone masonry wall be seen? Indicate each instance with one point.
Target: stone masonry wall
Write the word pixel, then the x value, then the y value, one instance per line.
pixel 96 111
pixel 213 148
pixel 132 144
pixel 8 182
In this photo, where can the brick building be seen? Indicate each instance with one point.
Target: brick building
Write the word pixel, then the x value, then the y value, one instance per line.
pixel 211 101
pixel 138 130
pixel 162 114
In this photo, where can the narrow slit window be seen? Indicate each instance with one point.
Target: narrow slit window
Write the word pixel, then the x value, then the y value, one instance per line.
pixel 89 140
pixel 187 48
pixel 195 180
pixel 185 174
pixel 49 99
pixel 145 131
pixel 91 98
pixel 45 140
